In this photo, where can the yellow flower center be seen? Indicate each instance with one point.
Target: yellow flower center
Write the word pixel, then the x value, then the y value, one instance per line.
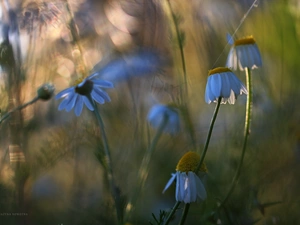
pixel 218 70
pixel 78 81
pixel 245 41
pixel 189 162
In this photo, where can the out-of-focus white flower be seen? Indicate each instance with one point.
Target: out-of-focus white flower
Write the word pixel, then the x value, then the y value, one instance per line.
pixel 189 187
pixel 244 53
pixel 223 83
pixel 79 94
pixel 158 113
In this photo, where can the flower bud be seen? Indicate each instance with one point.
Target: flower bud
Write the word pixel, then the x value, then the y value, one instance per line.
pixel 46 91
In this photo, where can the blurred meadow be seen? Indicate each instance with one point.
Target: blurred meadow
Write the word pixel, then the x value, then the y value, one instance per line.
pixel 52 165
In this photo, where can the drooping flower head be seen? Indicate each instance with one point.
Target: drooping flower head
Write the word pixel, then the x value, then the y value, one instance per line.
pixel 189 187
pixel 223 83
pixel 159 114
pixel 82 92
pixel 244 53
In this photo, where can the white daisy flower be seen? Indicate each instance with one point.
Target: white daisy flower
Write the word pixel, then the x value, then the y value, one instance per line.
pixel 158 113
pixel 244 53
pixel 189 187
pixel 223 83
pixel 76 96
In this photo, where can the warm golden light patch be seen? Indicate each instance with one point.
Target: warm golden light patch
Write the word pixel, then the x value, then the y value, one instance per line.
pixel 218 70
pixel 245 41
pixel 188 162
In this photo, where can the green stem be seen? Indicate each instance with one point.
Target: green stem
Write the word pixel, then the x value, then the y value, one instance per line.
pixel 182 57
pixel 18 108
pixel 170 215
pixel 201 160
pixel 212 122
pixel 246 134
pixel 150 151
pixel 143 171
pixel 180 44
pixel 184 214
pixel 108 161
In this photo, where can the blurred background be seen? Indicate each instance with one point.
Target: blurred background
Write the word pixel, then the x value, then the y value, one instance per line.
pixel 51 167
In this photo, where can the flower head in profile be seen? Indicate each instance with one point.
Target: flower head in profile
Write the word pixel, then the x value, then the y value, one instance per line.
pixel 167 114
pixel 223 83
pixel 189 187
pixel 81 93
pixel 244 53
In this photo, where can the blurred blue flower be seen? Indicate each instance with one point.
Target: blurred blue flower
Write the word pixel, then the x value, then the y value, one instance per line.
pixel 45 187
pixel 244 53
pixel 223 83
pixel 143 62
pixel 158 113
pixel 76 96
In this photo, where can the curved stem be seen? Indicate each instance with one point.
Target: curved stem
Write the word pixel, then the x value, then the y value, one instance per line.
pixel 18 108
pixel 172 213
pixel 144 169
pixel 246 134
pixel 214 117
pixel 184 214
pixel 108 161
pixel 212 122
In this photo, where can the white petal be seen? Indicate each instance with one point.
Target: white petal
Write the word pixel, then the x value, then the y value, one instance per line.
pixel 88 103
pixel 225 91
pixel 71 103
pixel 232 98
pixel 216 84
pixel 65 93
pixel 79 106
pixel 201 192
pixel 173 177
pixel 192 187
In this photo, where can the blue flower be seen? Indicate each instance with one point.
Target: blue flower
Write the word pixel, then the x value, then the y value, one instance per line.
pixel 140 63
pixel 244 53
pixel 223 83
pixel 76 96
pixel 158 113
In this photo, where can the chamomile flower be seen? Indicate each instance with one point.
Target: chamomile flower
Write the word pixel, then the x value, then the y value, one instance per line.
pixel 189 187
pixel 244 53
pixel 223 83
pixel 158 113
pixel 79 94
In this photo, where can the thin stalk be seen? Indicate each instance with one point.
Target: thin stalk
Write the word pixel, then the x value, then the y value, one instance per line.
pixel 144 169
pixel 76 39
pixel 180 45
pixel 150 151
pixel 7 115
pixel 246 134
pixel 212 122
pixel 182 57
pixel 184 214
pixel 108 161
pixel 170 215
